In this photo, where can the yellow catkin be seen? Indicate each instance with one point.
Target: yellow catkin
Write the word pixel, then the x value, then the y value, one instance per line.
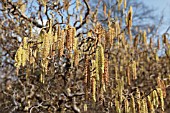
pixel 55 37
pixel 75 43
pixel 94 88
pixel 124 4
pixel 134 70
pixel 61 43
pixel 126 103
pixel 155 100
pixel 93 83
pixel 42 78
pixel 160 93
pixel 24 57
pixel 89 34
pixel 77 4
pixel 100 65
pixel 45 47
pixel 132 104
pixel 119 3
pixel 144 108
pixel 138 97
pixel 18 57
pixel 25 43
pixel 150 105
pixel 161 85
pixel 144 38
pixel 81 19
pixel 117 104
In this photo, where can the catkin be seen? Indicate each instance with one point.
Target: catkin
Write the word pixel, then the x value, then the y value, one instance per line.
pixel 119 3
pixel 126 103
pixel 124 4
pixel 106 71
pixel 61 43
pixel 94 88
pixel 158 43
pixel 160 93
pixel 45 47
pixel 87 72
pixel 144 38
pixel 18 57
pixel 104 9
pixel 76 57
pixel 155 100
pixel 144 108
pixel 69 38
pixel 100 66
pixel 132 102
pixel 134 70
pixel 128 75
pixel 150 105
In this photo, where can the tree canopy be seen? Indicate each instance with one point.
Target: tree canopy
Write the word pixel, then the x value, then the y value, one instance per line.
pixel 59 56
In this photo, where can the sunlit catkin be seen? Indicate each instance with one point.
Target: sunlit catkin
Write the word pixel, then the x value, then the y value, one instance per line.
pixel 46 47
pixel 134 70
pixel 117 105
pixel 160 93
pixel 132 104
pixel 119 3
pixel 144 108
pixel 144 38
pixel 124 4
pixel 155 100
pixel 100 66
pixel 138 97
pixel 150 105
pixel 93 88
pixel 18 57
pixel 126 103
pixel 61 43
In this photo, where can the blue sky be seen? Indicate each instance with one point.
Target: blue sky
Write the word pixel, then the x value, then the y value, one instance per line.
pixel 162 7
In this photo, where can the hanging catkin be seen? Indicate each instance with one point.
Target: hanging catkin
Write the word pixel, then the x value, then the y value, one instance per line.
pixel 100 64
